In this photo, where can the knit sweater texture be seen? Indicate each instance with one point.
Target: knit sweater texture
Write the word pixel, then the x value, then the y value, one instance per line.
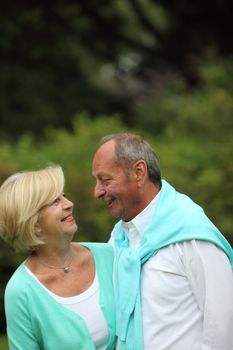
pixel 36 321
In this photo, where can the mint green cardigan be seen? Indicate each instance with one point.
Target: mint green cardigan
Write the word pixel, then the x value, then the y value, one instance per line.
pixel 36 321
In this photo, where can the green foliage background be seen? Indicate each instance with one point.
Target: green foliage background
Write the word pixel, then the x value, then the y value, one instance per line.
pixel 191 131
pixel 3 343
pixel 160 69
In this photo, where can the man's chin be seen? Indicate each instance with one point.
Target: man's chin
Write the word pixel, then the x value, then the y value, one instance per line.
pixel 115 214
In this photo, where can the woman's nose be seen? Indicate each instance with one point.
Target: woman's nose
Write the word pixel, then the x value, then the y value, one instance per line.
pixel 67 203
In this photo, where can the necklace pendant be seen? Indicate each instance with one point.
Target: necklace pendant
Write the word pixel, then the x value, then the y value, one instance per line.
pixel 66 269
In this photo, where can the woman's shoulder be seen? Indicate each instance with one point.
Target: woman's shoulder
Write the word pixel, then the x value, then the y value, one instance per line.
pixel 102 253
pixel 98 246
pixel 17 282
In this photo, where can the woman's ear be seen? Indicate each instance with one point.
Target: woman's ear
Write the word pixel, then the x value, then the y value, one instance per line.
pixel 38 229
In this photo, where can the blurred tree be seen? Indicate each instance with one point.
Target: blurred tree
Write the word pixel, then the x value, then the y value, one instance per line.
pixel 48 59
pixel 74 152
pixel 194 138
pixel 60 57
pixel 190 160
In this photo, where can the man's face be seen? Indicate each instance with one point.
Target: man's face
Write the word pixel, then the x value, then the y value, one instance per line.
pixel 113 186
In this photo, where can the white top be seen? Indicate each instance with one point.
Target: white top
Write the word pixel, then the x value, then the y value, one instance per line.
pixel 187 293
pixel 86 305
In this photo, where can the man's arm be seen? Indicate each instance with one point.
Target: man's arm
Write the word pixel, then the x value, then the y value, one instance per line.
pixel 210 274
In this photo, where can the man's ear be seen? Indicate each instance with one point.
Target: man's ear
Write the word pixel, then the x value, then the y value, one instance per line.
pixel 140 170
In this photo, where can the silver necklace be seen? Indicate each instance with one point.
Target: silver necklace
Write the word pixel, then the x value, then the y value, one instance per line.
pixel 65 268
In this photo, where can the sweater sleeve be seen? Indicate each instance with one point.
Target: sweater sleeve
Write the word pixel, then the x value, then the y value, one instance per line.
pixel 19 327
pixel 211 278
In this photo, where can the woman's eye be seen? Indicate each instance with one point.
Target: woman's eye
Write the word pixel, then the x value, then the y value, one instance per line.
pixel 56 201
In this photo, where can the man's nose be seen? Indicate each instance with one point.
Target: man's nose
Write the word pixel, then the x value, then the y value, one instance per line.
pixel 99 190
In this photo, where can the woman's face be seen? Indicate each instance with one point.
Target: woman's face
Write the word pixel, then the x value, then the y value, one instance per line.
pixel 56 219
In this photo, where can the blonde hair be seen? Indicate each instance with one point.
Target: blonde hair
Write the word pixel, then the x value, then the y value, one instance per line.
pixel 22 196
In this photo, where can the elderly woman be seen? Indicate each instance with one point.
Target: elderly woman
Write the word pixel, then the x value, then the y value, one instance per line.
pixel 61 297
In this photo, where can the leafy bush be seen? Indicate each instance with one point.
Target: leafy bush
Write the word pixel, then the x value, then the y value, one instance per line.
pixel 3 343
pixel 73 151
pixel 190 131
pixel 193 132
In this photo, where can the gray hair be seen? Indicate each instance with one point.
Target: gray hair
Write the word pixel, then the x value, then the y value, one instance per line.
pixel 130 148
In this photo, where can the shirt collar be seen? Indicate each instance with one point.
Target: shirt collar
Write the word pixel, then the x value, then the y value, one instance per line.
pixel 140 222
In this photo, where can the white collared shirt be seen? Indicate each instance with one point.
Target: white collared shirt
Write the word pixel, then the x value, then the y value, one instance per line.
pixel 186 291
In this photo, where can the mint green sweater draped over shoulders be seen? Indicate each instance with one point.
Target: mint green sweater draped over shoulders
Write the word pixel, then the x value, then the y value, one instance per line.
pixel 176 219
pixel 36 321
